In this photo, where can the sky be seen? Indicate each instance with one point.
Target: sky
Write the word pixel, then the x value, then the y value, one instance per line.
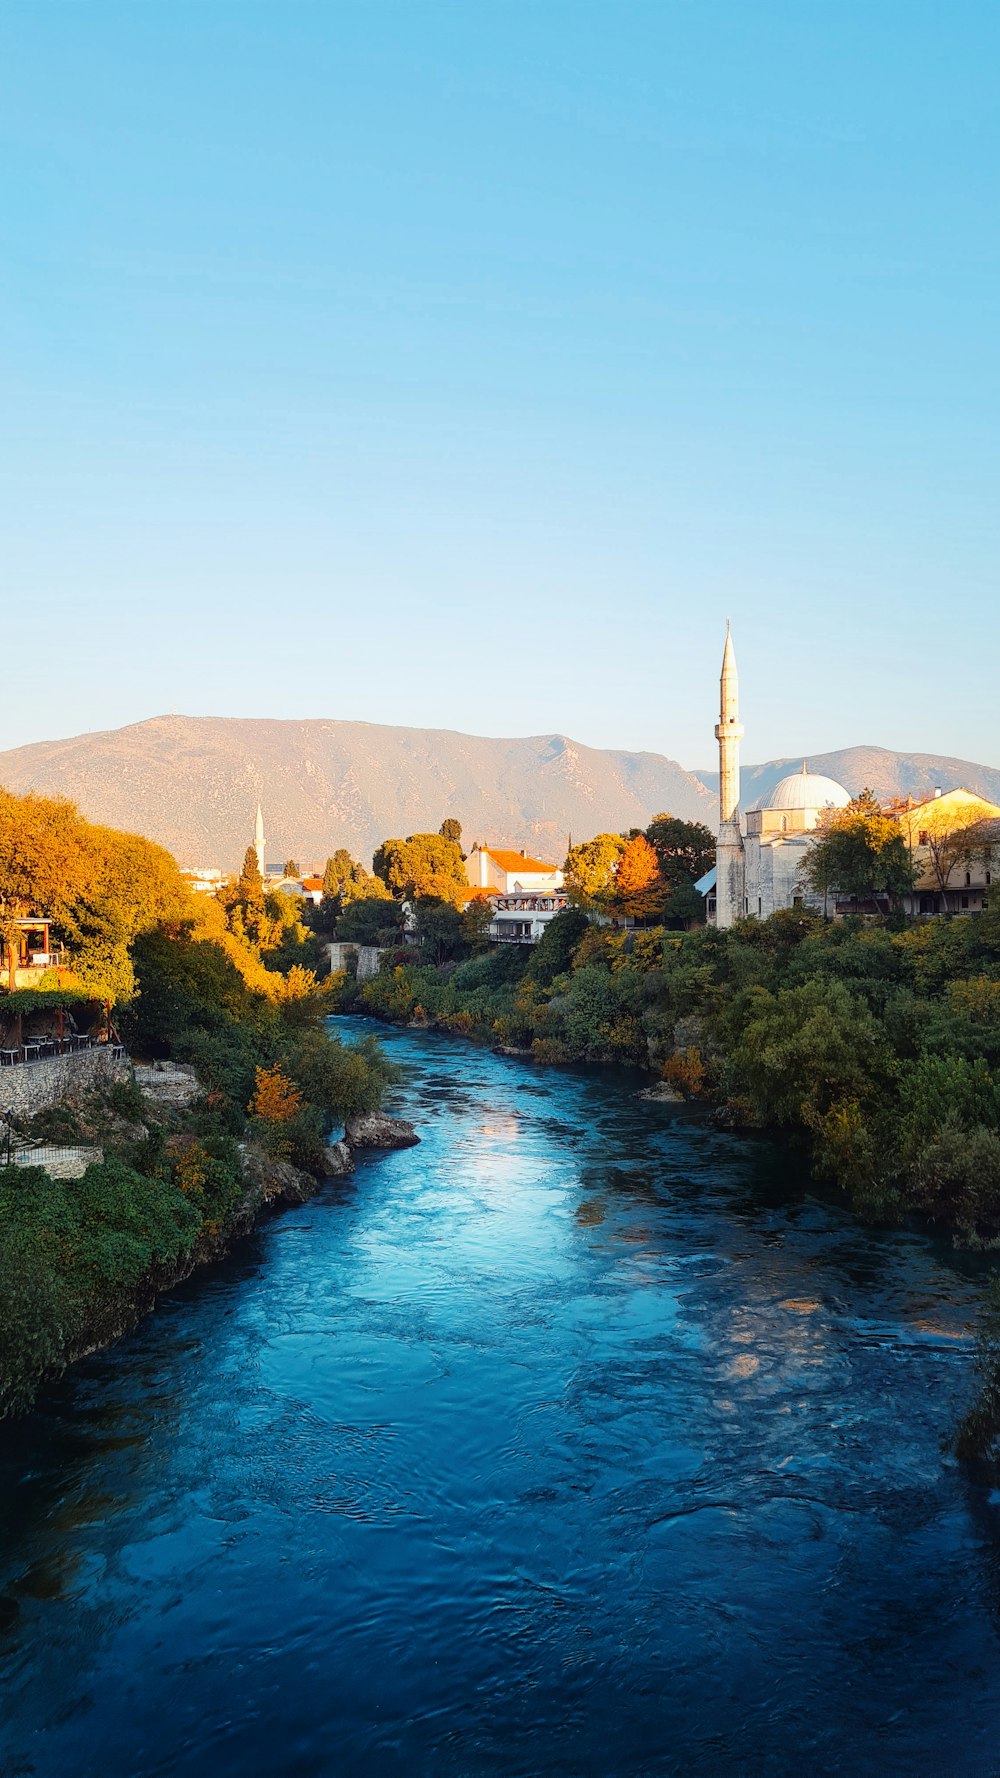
pixel 467 366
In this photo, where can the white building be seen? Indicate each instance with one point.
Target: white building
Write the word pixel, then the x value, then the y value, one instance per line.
pixel 759 860
pixel 524 892
pixel 204 881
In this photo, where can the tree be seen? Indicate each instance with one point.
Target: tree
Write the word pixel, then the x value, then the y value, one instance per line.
pixel 476 921
pixel 437 886
pixel 250 883
pixel 638 867
pixel 590 868
pixel 958 847
pixel 685 849
pixel 346 881
pixel 553 953
pixel 98 887
pixel 402 863
pixel 451 829
pixel 374 920
pixel 684 906
pixel 41 864
pixel 860 851
pixel 290 868
pixel 439 929
pixel 276 1099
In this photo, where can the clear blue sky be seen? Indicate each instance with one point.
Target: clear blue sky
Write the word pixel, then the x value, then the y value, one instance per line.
pixel 466 364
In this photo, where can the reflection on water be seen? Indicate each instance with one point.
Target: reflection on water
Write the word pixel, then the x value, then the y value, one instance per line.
pixel 576 1440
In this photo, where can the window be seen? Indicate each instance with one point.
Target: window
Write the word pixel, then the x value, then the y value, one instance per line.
pixel 989 879
pixel 760 907
pixel 924 837
pixel 968 879
pixel 965 901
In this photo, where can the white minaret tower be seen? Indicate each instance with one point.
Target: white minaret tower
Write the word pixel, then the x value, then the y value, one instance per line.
pixel 729 887
pixel 258 839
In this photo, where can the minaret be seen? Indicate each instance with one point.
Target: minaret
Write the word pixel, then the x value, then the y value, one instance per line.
pixel 729 887
pixel 258 839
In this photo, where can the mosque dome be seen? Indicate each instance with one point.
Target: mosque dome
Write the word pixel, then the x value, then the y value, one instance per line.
pixel 806 790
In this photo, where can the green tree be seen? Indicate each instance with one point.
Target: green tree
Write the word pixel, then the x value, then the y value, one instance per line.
pixel 402 864
pixel 553 953
pixel 860 851
pixel 374 920
pixel 451 829
pixel 685 849
pixel 590 868
pixel 346 881
pixel 796 1053
pixel 684 906
pixel 439 929
pixel 290 868
pixel 476 923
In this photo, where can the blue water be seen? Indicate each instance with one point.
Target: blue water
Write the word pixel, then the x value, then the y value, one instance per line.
pixel 580 1439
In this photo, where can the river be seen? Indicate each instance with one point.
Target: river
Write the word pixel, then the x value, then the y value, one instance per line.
pixel 579 1439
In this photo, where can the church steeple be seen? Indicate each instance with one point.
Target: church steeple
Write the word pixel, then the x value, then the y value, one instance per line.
pixel 258 838
pixel 729 733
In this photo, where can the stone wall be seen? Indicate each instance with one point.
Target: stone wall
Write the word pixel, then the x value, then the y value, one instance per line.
pixel 59 1080
pixel 369 958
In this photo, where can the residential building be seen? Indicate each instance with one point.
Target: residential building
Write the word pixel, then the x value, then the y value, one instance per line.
pixel 525 893
pixel 954 836
pixel 203 881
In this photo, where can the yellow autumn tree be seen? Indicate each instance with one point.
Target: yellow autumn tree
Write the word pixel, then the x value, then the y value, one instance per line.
pixel 276 1099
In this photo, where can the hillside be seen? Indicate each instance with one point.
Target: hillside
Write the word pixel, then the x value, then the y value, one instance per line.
pixel 878 768
pixel 193 783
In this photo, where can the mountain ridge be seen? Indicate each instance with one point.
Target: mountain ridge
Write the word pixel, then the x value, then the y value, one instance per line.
pixel 193 783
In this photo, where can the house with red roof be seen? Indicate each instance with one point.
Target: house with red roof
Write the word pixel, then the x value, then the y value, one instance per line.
pixel 525 893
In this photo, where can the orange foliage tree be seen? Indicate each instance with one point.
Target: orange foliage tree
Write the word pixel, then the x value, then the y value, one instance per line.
pixel 638 866
pixel 276 1099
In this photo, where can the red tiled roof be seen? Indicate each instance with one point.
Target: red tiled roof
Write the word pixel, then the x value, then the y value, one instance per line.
pixel 513 861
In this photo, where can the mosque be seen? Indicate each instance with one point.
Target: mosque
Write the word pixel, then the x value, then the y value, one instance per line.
pixel 757 868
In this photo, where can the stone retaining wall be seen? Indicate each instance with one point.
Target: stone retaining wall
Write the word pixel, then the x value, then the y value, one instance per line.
pixel 59 1080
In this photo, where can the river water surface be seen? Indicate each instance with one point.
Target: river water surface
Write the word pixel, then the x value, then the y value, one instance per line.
pixel 575 1440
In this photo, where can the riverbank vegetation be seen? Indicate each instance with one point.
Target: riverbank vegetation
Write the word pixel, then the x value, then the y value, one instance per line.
pixel 875 1044
pixel 227 987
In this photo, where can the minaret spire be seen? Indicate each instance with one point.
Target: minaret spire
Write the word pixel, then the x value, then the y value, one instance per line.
pixel 730 886
pixel 258 838
pixel 729 732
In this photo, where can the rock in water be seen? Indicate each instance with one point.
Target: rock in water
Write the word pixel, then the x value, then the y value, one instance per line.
pixel 375 1129
pixel 336 1160
pixel 275 1179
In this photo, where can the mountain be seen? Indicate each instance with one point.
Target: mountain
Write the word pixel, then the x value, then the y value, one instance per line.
pixel 193 784
pixel 877 768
